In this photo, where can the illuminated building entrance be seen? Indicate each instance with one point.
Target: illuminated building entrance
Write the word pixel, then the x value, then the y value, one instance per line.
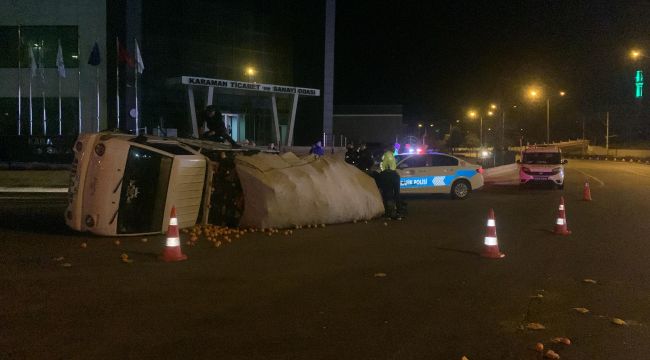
pixel 244 126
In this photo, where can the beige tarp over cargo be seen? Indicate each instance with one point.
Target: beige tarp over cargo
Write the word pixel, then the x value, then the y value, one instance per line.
pixel 284 191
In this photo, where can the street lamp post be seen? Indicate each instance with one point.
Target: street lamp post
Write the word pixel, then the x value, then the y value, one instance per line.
pixel 548 120
pixel 473 114
pixel 481 132
pixel 534 94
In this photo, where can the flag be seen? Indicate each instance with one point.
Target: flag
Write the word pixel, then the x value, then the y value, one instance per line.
pixel 138 58
pixel 123 55
pixel 59 61
pixel 33 60
pixel 95 59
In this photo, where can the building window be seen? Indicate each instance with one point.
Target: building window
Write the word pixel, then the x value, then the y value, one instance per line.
pixel 43 41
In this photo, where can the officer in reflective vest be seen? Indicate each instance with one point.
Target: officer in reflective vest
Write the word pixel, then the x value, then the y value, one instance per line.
pixel 390 181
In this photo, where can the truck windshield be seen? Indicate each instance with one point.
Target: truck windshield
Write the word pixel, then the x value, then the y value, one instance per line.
pixel 542 158
pixel 144 191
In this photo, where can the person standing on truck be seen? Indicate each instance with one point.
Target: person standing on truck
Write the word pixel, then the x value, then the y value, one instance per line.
pixel 390 181
pixel 216 128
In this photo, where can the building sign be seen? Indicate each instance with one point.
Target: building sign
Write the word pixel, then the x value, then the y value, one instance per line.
pixel 241 85
pixel 638 79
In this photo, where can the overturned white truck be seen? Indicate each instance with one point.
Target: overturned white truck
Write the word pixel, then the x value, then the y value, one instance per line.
pixel 124 185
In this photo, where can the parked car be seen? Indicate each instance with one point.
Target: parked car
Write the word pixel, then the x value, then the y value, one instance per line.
pixel 542 165
pixel 438 173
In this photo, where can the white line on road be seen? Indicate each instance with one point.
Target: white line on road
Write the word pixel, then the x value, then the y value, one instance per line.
pixel 636 173
pixel 602 183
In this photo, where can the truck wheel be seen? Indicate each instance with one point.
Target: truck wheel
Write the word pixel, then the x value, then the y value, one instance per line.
pixel 460 190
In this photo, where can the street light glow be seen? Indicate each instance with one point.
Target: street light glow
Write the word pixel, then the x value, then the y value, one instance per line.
pixel 471 114
pixel 635 54
pixel 490 113
pixel 534 93
pixel 250 71
pixel 493 106
pixel 419 125
pixel 562 93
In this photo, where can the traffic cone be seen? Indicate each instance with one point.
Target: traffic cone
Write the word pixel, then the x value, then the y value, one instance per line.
pixel 586 193
pixel 491 249
pixel 172 250
pixel 560 223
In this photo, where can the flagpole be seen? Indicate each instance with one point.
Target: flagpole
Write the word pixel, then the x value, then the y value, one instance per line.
pixel 59 105
pixel 137 111
pixel 40 60
pixel 31 108
pixel 20 81
pixel 117 79
pixel 59 63
pixel 79 82
pixel 97 83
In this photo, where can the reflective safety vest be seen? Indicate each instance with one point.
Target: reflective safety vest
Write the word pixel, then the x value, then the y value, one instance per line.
pixel 388 161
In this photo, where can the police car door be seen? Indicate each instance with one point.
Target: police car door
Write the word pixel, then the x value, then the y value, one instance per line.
pixel 416 176
pixel 444 168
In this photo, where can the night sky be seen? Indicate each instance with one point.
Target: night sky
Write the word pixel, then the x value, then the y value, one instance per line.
pixel 438 59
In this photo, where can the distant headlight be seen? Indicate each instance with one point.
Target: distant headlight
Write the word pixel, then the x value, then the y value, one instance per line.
pixel 485 154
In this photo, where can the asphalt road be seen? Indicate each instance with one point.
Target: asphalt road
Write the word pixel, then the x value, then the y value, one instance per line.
pixel 321 294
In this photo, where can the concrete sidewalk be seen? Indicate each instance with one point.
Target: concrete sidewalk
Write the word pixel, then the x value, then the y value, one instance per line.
pixel 34 180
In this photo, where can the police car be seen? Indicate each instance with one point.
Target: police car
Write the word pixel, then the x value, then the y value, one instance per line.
pixel 438 173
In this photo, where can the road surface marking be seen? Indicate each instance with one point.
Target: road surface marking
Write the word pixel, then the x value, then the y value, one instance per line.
pixel 636 173
pixel 591 176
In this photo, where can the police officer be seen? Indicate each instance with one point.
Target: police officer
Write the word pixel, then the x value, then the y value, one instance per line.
pixel 390 181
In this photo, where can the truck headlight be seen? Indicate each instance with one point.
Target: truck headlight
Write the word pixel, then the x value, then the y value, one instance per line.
pixel 100 149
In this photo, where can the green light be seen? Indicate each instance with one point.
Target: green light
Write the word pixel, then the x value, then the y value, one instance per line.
pixel 639 83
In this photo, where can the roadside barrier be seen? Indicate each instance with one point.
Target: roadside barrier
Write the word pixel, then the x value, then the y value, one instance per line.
pixel 644 161
pixel 586 192
pixel 491 248
pixel 561 223
pixel 172 250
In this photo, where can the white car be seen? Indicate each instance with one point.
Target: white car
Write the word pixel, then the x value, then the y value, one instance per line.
pixel 542 164
pixel 438 173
